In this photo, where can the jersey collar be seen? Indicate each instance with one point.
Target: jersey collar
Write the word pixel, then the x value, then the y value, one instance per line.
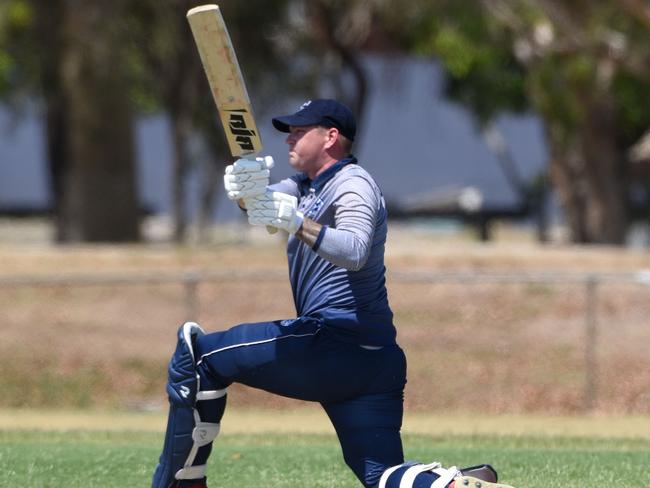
pixel 306 184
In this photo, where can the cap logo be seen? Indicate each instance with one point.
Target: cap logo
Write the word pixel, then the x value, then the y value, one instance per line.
pixel 305 105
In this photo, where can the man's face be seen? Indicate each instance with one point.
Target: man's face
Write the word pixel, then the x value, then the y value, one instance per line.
pixel 307 146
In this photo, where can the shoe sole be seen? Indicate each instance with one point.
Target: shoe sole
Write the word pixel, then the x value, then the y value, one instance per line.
pixel 471 482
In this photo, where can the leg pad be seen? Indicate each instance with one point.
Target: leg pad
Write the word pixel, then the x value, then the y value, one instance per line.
pixel 186 433
pixel 410 475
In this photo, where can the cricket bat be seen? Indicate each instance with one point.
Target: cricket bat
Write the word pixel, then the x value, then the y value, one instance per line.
pixel 225 79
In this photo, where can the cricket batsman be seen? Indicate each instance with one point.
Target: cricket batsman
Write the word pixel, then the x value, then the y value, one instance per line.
pixel 340 350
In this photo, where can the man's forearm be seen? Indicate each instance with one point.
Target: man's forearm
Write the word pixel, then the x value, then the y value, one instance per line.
pixel 341 248
pixel 309 231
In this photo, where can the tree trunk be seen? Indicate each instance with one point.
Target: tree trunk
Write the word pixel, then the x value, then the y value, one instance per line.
pixel 48 37
pixel 99 202
pixel 210 181
pixel 566 171
pixel 180 131
pixel 324 27
pixel 606 218
pixel 180 95
pixel 587 171
pixel 56 150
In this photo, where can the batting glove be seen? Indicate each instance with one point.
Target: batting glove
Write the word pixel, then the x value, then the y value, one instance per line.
pixel 275 209
pixel 247 178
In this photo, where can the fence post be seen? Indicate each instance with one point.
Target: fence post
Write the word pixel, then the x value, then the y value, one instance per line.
pixel 191 283
pixel 591 338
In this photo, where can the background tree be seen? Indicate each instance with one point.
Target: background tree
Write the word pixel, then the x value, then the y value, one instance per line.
pixel 326 40
pixel 171 80
pixel 100 201
pixel 91 67
pixel 73 59
pixel 26 73
pixel 253 27
pixel 582 66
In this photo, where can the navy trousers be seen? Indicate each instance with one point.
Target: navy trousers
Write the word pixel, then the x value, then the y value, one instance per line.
pixel 361 389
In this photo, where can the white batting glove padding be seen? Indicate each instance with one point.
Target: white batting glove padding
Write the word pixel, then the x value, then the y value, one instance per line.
pixel 247 178
pixel 275 209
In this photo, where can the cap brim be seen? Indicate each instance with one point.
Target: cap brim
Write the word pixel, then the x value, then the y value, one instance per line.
pixel 285 122
pixel 280 124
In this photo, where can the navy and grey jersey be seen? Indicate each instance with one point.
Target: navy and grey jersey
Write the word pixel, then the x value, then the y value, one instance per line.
pixel 341 279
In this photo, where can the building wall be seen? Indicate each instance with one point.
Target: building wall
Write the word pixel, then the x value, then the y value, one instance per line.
pixel 411 139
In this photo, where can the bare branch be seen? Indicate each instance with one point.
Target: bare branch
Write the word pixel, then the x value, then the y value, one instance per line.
pixel 563 19
pixel 639 9
pixel 502 11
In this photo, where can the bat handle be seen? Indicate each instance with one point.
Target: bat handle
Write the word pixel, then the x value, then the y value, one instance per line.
pixel 268 162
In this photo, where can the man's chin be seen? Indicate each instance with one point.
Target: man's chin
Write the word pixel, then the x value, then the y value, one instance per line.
pixel 294 162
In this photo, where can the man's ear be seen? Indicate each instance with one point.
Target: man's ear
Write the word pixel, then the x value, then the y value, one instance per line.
pixel 332 137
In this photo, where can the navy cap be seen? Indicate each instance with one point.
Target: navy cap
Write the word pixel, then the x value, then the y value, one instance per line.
pixel 323 112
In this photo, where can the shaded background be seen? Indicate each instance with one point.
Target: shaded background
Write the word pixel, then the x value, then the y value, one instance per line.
pixel 412 146
pixel 474 115
pixel 516 100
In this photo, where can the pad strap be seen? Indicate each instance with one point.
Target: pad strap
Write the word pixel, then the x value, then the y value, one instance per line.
pixel 446 476
pixel 191 472
pixel 386 474
pixel 407 478
pixel 210 395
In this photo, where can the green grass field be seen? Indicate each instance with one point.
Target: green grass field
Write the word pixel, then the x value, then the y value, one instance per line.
pixel 126 458
pixel 526 355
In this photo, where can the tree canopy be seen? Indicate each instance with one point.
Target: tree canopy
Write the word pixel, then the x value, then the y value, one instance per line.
pixel 582 66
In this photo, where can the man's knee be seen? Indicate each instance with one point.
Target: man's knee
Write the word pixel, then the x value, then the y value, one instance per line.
pixel 182 380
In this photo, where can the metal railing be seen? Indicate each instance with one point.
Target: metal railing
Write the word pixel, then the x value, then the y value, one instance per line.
pixel 592 282
pixel 191 281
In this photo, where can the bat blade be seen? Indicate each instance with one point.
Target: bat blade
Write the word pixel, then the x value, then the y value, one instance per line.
pixel 225 79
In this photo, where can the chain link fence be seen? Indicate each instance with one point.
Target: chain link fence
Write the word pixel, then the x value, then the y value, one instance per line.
pixel 491 342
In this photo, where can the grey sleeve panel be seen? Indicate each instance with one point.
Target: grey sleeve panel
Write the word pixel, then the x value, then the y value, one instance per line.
pixel 288 185
pixel 356 206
